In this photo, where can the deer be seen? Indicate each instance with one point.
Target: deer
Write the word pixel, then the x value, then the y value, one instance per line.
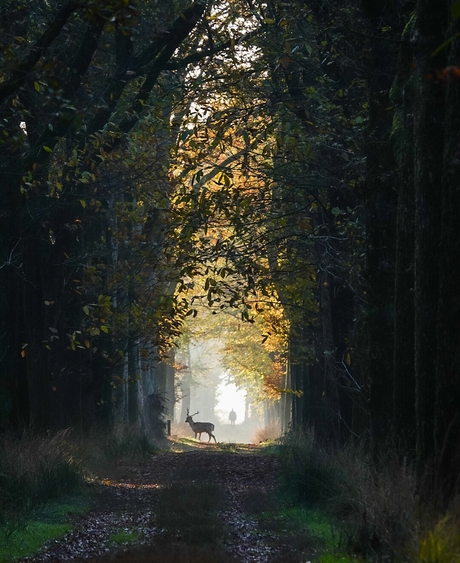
pixel 200 427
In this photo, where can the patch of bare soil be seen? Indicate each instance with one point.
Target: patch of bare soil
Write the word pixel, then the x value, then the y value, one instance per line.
pixel 188 506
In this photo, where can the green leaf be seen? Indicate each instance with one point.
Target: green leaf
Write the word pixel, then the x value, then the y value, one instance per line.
pixel 47 149
pixel 82 203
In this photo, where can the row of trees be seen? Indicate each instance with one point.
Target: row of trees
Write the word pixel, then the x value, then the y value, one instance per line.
pixel 300 157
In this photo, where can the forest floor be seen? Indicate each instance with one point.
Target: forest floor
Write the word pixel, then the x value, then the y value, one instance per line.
pixel 195 503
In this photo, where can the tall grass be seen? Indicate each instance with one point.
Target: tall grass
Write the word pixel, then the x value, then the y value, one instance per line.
pixel 441 544
pixel 268 433
pixel 36 469
pixel 123 443
pixel 309 475
pixel 33 471
pixel 374 503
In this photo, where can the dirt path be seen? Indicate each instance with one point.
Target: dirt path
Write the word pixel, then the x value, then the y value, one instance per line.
pixel 161 506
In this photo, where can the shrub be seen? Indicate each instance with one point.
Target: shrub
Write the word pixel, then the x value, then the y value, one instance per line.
pixel 441 544
pixel 374 503
pixel 310 477
pixel 128 443
pixel 377 503
pixel 35 469
pixel 267 433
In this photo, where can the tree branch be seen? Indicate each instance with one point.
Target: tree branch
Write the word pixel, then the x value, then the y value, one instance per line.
pixel 79 67
pixel 178 33
pixel 162 50
pixel 200 55
pixel 20 73
pixel 191 15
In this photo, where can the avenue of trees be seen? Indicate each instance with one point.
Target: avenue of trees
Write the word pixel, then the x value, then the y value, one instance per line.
pixel 291 165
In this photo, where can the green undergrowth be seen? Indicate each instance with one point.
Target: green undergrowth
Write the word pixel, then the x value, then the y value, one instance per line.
pixel 124 537
pixel 40 472
pixel 318 525
pixel 337 558
pixel 311 533
pixel 125 444
pixel 188 444
pixel 26 535
pixel 369 506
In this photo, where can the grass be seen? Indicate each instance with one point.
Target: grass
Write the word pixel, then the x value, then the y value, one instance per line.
pixel 38 473
pixel 441 544
pixel 231 448
pixel 124 537
pixel 126 443
pixel 306 530
pixel 373 505
pixel 363 508
pixel 48 523
pixel 267 433
pixel 35 471
pixel 334 506
pixel 337 558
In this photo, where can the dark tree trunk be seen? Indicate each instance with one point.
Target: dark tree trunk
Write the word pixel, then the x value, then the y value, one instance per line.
pixel 403 140
pixel 447 412
pixel 380 252
pixel 428 135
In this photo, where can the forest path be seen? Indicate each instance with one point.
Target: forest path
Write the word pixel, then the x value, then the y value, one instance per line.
pixel 198 503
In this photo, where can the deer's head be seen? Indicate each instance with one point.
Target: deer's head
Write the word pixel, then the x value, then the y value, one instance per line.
pixel 189 416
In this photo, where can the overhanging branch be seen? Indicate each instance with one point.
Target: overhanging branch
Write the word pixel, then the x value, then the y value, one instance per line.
pixel 21 72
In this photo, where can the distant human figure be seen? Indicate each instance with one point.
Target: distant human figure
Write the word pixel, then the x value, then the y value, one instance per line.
pixel 232 417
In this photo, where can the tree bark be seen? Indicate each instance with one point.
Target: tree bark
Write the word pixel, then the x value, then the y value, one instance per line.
pixel 428 161
pixel 447 416
pixel 403 139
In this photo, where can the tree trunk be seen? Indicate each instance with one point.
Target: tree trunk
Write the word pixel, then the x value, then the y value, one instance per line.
pixel 428 133
pixel 380 206
pixel 403 140
pixel 447 417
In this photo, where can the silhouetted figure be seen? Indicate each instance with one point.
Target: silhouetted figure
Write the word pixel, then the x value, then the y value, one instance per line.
pixel 232 417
